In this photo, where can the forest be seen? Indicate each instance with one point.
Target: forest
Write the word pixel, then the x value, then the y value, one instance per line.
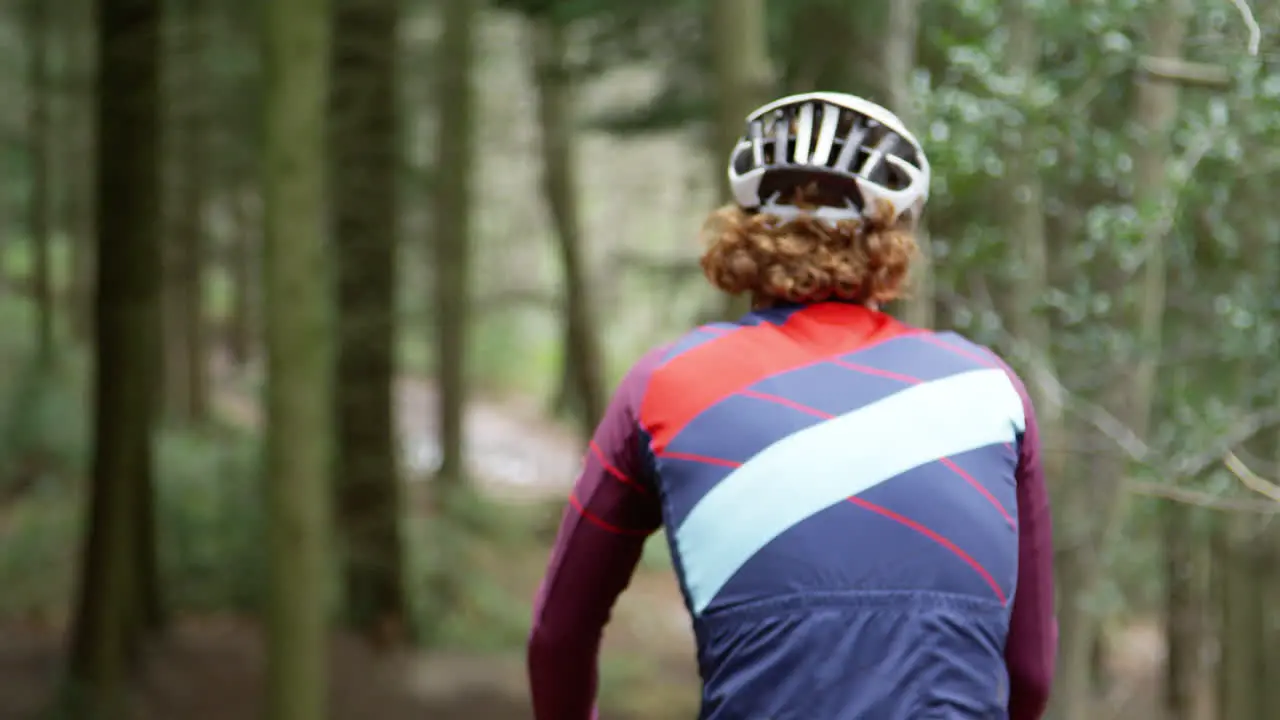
pixel 309 307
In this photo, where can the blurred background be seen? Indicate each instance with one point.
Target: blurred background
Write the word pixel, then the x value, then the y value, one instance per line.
pixel 308 306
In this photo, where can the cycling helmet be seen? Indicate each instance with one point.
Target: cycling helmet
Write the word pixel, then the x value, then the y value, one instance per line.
pixel 855 153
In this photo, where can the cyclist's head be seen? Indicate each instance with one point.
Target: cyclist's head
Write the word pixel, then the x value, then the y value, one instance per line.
pixel 828 189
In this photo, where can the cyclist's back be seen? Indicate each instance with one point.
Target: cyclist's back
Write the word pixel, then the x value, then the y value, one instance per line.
pixel 839 494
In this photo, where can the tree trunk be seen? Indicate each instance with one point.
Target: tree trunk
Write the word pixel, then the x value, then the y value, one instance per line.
pixel 455 156
pixel 1242 683
pixel 299 364
pixel 111 611
pixel 39 40
pixel 364 146
pixel 899 65
pixel 451 225
pixel 186 354
pixel 560 189
pixel 195 191
pixel 77 162
pixel 1183 613
pixel 243 241
pixel 839 46
pixel 743 79
pixel 1271 564
pixel 1269 637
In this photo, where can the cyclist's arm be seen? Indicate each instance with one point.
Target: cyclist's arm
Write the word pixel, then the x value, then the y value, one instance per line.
pixel 1033 630
pixel 611 511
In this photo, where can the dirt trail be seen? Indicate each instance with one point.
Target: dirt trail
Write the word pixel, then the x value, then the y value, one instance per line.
pixel 212 669
pixel 512 450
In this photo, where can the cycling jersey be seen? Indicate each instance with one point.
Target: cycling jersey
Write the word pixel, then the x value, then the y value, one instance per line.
pixel 856 512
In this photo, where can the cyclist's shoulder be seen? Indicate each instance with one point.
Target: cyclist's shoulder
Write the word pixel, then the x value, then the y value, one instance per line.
pixel 980 355
pixel 693 346
pixel 966 346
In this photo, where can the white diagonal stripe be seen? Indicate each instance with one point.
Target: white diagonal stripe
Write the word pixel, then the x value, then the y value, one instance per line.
pixel 819 466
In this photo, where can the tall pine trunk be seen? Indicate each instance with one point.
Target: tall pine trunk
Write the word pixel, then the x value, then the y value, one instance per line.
pixel 243 250
pixel 451 217
pixel 39 39
pixel 113 608
pixel 582 376
pixel 365 150
pixel 455 158
pixel 77 159
pixel 186 355
pixel 298 302
pixel 899 65
pixel 742 80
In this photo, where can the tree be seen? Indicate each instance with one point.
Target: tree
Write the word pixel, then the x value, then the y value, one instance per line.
pixel 899 63
pixel 76 156
pixel 455 159
pixel 1133 388
pixel 365 149
pixel 39 38
pixel 582 379
pixel 743 79
pixel 186 354
pixel 116 600
pixel 451 225
pixel 297 295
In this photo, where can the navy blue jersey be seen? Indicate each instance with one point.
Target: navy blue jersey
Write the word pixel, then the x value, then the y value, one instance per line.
pixel 856 515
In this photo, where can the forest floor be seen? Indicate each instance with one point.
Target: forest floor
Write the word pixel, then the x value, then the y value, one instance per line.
pixel 210 668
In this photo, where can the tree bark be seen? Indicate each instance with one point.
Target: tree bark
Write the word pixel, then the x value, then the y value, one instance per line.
pixel 899 65
pixel 743 79
pixel 364 146
pixel 244 242
pixel 552 77
pixel 76 161
pixel 1183 613
pixel 111 611
pixel 298 299
pixel 186 353
pixel 834 47
pixel 1243 684
pixel 455 157
pixel 38 129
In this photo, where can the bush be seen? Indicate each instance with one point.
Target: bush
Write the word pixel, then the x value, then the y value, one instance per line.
pixel 210 521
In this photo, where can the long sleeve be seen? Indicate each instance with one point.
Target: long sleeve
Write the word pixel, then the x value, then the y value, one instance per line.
pixel 1033 632
pixel 612 510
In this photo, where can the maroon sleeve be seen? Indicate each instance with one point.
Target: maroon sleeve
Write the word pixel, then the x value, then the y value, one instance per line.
pixel 1033 630
pixel 612 510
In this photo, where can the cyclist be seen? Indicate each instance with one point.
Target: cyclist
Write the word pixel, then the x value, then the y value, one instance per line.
pixel 855 507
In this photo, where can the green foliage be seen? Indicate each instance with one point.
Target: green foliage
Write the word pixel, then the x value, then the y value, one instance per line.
pixel 43 431
pixel 482 550
pixel 207 501
pixel 39 542
pixel 210 520
pixel 16 260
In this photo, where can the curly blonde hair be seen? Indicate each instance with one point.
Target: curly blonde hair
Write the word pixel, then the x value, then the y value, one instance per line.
pixel 806 260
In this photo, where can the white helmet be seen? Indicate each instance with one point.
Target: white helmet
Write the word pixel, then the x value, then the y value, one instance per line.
pixel 857 151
